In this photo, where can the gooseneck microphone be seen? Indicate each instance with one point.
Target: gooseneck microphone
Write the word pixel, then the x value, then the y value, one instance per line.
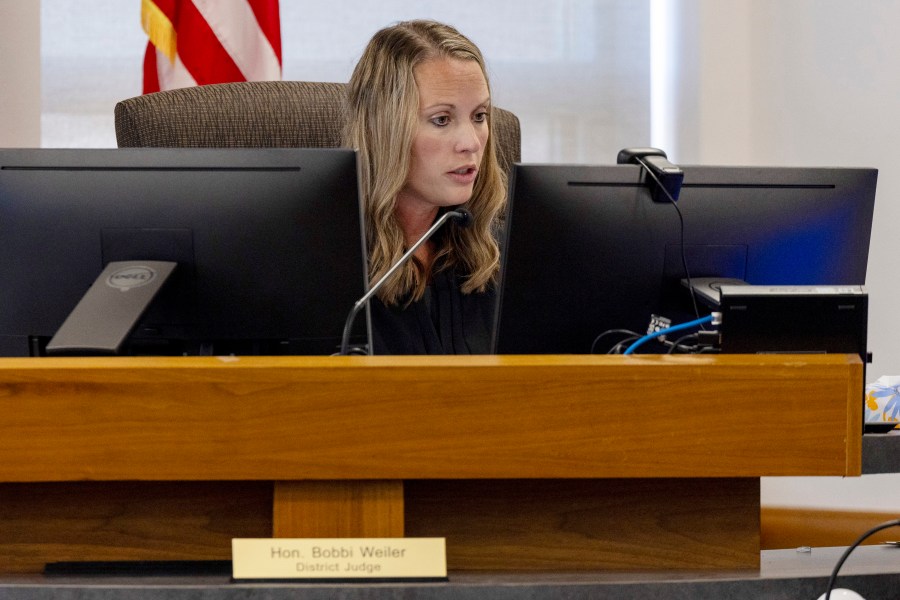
pixel 463 218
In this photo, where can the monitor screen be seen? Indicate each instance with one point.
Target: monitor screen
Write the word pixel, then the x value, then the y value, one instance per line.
pixel 267 243
pixel 588 251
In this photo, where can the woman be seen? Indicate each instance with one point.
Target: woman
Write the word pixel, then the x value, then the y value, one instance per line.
pixel 419 116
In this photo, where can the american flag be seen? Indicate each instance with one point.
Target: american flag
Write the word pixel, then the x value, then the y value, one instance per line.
pixel 195 42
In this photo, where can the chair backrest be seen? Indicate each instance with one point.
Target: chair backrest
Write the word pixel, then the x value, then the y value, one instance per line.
pixel 258 114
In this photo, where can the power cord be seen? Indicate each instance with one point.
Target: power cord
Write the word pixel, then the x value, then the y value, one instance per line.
pixel 851 548
pixel 714 318
pixel 684 265
pixel 630 336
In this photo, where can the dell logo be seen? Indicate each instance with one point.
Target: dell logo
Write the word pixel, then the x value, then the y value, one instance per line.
pixel 130 277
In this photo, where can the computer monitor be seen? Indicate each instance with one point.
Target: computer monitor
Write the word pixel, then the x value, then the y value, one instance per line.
pixel 588 251
pixel 267 242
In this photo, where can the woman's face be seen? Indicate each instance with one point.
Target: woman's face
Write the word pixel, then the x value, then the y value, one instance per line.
pixel 451 133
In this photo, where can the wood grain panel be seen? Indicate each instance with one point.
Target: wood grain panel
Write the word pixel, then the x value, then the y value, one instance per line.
pixel 541 462
pixel 855 389
pixel 792 527
pixel 127 521
pixel 590 524
pixel 302 418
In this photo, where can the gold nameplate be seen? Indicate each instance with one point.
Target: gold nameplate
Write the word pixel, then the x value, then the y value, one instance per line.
pixel 339 558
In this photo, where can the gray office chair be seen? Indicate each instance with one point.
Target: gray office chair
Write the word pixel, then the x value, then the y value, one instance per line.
pixel 258 114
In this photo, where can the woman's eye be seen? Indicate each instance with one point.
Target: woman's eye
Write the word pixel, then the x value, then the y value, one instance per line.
pixel 440 121
pixel 481 117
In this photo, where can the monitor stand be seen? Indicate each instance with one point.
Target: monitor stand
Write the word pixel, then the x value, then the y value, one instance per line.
pixel 111 308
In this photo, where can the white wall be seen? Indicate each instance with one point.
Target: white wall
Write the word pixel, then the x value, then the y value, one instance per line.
pixel 806 83
pixel 20 74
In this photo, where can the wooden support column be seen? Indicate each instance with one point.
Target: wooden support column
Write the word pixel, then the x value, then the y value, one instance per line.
pixel 332 509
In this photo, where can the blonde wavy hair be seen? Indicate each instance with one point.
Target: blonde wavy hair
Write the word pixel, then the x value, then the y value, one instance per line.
pixel 382 109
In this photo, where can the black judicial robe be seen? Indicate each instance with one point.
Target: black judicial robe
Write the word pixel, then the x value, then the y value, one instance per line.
pixel 444 321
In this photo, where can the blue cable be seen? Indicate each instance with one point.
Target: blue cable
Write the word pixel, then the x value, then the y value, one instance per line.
pixel 656 334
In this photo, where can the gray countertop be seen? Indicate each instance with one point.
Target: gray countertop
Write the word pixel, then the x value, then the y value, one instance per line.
pixel 873 571
pixel 881 453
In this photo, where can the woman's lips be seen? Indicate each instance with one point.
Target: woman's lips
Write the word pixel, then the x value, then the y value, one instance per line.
pixel 463 174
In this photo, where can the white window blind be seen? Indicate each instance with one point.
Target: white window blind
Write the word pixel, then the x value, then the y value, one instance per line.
pixel 575 72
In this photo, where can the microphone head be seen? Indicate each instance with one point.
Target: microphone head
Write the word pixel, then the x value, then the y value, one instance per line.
pixel 463 217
